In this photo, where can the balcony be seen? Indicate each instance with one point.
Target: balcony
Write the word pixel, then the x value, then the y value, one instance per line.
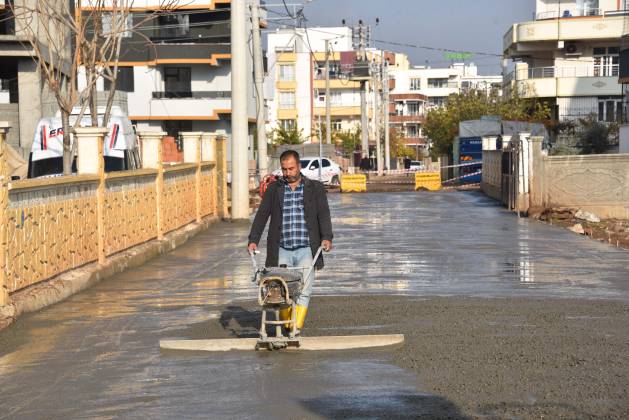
pixel 187 105
pixel 605 25
pixel 336 84
pixel 547 82
pixel 193 95
pixel 568 13
pixel 418 118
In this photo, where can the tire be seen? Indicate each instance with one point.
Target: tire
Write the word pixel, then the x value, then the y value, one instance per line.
pixel 335 181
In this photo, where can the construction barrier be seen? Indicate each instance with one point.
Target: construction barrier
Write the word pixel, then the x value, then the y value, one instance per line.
pixel 428 180
pixel 355 183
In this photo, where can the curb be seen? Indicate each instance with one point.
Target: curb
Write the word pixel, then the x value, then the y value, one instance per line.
pixel 64 285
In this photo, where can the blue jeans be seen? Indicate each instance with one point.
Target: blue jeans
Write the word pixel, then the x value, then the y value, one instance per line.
pixel 300 257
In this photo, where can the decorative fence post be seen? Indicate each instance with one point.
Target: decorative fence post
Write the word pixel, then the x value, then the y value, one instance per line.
pixel 221 165
pixel 4 206
pixel 208 154
pixel 90 162
pixel 152 159
pixel 192 154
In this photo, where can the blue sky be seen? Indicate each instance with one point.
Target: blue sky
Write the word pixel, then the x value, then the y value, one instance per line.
pixel 465 25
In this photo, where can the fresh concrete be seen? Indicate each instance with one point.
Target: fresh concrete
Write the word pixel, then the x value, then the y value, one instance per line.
pixel 532 323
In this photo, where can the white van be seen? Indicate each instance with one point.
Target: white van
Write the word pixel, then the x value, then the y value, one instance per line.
pixel 119 146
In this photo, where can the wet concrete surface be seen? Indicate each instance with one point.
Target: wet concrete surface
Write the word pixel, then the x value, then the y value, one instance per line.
pixel 96 355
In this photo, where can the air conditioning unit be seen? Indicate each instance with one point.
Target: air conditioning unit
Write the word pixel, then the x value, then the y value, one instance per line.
pixel 572 48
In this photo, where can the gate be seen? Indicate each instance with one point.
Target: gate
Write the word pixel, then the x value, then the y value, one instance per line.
pixel 510 178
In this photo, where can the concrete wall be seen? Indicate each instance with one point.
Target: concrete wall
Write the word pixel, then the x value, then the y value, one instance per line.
pixel 596 183
pixel 624 139
pixel 492 173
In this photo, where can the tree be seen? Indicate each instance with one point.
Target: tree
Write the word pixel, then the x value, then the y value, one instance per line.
pixel 399 149
pixel 442 124
pixel 66 42
pixel 350 139
pixel 290 135
pixel 594 136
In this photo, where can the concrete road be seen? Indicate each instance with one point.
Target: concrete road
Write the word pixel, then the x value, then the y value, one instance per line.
pixel 96 355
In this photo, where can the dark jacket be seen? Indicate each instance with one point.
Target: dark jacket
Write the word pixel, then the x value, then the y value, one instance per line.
pixel 316 213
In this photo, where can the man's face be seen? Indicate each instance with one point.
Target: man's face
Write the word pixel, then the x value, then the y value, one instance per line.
pixel 291 169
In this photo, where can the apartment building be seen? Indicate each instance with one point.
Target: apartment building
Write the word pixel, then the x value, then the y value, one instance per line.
pixel 569 55
pixel 295 86
pixel 175 70
pixel 420 88
pixel 24 97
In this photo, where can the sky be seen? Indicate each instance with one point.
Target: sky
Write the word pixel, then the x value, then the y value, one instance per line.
pixel 466 25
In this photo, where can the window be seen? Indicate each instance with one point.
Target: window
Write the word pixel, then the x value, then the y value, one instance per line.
pixel 314 164
pixel 412 130
pixel 287 124
pixel 336 126
pixel 287 72
pixel 177 82
pixel 124 80
pixel 335 98
pixel 416 84
pixel 109 26
pixel 413 108
pixel 606 61
pixel 325 163
pixel 438 83
pixel 609 109
pixel 287 100
pixel 437 100
pixel 173 25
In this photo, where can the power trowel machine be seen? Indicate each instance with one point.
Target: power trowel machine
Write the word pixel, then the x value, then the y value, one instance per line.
pixel 278 291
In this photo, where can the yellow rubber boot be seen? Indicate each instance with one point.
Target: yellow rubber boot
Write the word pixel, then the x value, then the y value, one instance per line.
pixel 285 316
pixel 301 316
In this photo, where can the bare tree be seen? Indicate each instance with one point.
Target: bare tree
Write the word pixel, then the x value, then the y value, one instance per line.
pixel 72 36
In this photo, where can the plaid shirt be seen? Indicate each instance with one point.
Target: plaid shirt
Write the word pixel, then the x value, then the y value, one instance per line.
pixel 294 230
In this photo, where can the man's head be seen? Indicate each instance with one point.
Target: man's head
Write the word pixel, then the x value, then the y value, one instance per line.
pixel 291 167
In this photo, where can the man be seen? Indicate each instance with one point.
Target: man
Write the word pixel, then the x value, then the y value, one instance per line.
pixel 300 223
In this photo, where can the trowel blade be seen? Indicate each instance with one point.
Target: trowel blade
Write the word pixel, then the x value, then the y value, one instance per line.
pixel 347 342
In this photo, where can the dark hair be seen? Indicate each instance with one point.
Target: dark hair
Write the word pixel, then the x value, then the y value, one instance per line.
pixel 288 154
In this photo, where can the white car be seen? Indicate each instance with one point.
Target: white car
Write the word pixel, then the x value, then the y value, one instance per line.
pixel 330 171
pixel 417 165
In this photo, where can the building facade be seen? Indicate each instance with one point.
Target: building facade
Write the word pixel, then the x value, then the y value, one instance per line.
pixel 569 55
pixel 176 70
pixel 419 89
pixel 295 86
pixel 24 96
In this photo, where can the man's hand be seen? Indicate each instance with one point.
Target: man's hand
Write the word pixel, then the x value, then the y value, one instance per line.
pixel 252 247
pixel 326 245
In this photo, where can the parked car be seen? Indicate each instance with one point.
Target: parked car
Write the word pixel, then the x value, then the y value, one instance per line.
pixel 330 171
pixel 416 165
pixel 119 145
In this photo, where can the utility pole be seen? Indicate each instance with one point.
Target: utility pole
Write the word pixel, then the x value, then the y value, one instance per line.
pixel 376 115
pixel 239 119
pixel 320 149
pixel 387 146
pixel 364 120
pixel 258 70
pixel 328 105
